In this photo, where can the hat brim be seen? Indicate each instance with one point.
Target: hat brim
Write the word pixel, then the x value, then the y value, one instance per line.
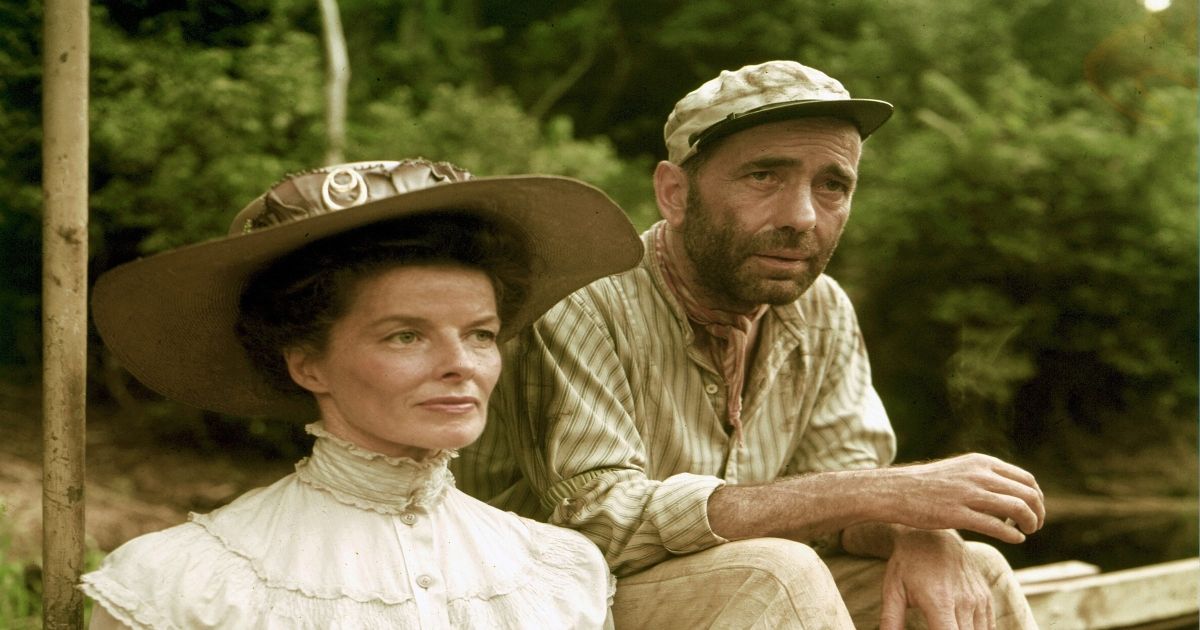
pixel 866 114
pixel 169 318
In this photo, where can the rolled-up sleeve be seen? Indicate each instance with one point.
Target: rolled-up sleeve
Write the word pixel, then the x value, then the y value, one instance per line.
pixel 582 450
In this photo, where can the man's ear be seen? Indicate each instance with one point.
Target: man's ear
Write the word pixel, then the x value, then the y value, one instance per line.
pixel 305 369
pixel 671 191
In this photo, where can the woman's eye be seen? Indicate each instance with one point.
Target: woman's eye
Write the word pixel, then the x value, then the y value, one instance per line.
pixel 484 336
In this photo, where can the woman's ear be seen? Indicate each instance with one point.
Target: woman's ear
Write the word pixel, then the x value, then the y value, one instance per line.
pixel 306 369
pixel 671 191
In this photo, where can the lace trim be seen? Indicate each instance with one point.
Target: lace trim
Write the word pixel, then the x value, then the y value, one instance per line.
pixel 121 603
pixel 317 429
pixel 555 561
pixel 256 565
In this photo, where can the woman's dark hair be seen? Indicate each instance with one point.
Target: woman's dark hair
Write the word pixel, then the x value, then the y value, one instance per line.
pixel 294 301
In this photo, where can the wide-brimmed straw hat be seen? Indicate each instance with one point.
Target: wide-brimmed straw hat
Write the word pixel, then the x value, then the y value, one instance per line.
pixel 762 93
pixel 169 318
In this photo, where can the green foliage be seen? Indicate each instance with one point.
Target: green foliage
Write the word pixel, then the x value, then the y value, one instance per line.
pixel 1046 256
pixel 1023 251
pixel 489 134
pixel 182 133
pixel 21 582
pixel 20 173
pixel 20 597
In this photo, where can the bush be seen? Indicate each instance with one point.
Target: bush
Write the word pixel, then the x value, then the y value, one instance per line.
pixel 1044 247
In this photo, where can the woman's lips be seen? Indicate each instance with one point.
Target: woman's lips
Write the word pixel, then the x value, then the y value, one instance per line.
pixel 451 404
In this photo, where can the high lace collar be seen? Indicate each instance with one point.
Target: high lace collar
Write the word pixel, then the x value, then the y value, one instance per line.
pixel 373 481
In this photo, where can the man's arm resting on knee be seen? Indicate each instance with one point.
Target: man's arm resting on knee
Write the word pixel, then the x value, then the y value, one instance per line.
pixel 973 492
pixel 929 570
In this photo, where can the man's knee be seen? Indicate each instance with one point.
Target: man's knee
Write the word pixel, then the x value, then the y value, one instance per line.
pixel 989 561
pixel 1008 600
pixel 786 573
pixel 786 561
pixel 756 583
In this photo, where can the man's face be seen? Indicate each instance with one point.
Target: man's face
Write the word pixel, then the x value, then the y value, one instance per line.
pixel 765 211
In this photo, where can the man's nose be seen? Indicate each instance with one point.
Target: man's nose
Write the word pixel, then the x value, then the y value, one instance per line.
pixel 796 209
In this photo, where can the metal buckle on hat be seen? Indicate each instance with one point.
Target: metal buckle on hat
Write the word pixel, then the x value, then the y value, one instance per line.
pixel 343 182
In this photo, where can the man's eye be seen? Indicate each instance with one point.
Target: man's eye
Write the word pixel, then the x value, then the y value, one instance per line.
pixel 406 336
pixel 837 185
pixel 760 176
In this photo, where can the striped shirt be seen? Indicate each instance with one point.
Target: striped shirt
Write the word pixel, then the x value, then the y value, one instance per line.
pixel 610 420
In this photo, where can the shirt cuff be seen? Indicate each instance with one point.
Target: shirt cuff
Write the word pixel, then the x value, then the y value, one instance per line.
pixel 679 509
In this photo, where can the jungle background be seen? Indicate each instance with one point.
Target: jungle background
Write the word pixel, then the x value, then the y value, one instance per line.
pixel 1022 251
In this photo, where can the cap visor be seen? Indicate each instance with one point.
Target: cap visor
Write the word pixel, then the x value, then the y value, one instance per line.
pixel 866 114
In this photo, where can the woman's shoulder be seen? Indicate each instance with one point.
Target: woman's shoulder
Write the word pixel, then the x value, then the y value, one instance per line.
pixel 172 577
pixel 151 579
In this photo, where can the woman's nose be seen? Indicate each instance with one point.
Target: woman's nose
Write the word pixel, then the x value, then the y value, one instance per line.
pixel 457 360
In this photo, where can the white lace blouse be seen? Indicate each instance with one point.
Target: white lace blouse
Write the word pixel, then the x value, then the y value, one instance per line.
pixel 355 539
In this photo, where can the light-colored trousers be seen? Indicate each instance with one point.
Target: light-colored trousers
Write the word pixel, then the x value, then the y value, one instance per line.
pixel 771 583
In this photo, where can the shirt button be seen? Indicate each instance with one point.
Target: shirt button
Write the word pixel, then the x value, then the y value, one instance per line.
pixel 424 581
pixel 408 518
pixel 711 388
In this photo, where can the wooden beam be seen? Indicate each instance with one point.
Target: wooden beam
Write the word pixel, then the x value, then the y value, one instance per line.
pixel 1119 598
pixel 1064 570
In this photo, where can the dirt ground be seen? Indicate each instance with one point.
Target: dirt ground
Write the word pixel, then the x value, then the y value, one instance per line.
pixel 133 486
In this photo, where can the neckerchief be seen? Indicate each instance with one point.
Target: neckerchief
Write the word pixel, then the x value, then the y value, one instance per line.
pixel 730 331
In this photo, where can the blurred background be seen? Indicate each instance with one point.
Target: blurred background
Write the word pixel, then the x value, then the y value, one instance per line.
pixel 1022 251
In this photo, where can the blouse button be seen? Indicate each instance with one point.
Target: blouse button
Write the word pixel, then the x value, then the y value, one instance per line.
pixel 408 518
pixel 711 388
pixel 424 581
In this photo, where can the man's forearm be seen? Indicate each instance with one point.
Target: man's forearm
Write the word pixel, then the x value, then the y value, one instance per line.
pixel 970 492
pixel 799 508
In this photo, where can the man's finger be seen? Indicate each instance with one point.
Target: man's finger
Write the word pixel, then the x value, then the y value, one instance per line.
pixel 892 614
pixel 1031 500
pixel 989 525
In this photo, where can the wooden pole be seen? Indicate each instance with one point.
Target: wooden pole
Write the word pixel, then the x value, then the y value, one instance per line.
pixel 64 305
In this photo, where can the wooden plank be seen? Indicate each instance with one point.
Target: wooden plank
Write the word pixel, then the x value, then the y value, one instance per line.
pixel 1064 570
pixel 1120 598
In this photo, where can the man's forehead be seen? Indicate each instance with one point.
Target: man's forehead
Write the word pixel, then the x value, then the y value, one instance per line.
pixel 787 141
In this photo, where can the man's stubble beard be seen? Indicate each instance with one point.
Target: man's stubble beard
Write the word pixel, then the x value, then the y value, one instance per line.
pixel 719 255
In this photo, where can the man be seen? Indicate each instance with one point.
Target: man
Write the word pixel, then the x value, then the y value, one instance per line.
pixel 708 418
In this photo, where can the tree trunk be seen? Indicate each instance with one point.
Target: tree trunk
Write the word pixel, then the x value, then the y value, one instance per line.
pixel 337 81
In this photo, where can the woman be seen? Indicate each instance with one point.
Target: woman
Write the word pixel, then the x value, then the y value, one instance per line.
pixel 376 294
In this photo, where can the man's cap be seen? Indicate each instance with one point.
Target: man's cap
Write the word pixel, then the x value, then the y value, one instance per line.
pixel 757 94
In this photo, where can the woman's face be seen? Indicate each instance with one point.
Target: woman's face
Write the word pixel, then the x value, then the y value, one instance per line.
pixel 409 368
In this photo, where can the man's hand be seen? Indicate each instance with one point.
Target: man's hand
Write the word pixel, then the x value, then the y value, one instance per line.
pixel 974 492
pixel 932 571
